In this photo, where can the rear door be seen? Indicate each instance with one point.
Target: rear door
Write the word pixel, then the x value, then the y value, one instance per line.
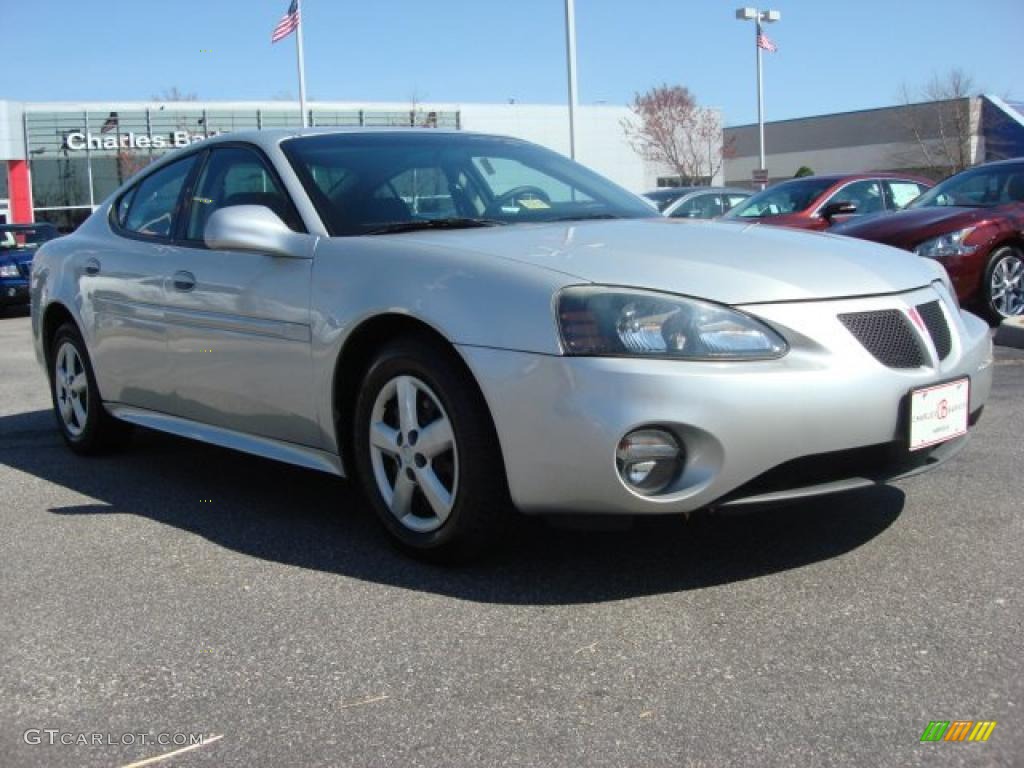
pixel 238 323
pixel 121 280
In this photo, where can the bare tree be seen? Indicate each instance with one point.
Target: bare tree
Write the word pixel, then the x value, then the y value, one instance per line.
pixel 938 118
pixel 174 93
pixel 670 128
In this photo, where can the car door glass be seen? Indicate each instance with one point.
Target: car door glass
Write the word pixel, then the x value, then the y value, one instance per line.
pixel 866 195
pixel 734 200
pixel 152 205
pixel 700 207
pixel 902 192
pixel 236 176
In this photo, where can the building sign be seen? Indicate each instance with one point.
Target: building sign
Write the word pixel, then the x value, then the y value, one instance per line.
pixel 79 141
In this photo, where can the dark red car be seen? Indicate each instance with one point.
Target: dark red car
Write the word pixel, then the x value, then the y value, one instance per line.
pixel 817 202
pixel 973 223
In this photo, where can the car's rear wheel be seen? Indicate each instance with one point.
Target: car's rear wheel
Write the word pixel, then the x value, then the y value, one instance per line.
pixel 1004 284
pixel 427 454
pixel 86 426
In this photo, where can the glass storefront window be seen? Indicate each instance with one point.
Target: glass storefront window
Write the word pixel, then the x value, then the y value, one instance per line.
pixel 67 148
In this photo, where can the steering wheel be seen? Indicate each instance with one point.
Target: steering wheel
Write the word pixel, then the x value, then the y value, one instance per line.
pixel 524 192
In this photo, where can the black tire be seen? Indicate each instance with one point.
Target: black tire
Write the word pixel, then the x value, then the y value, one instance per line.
pixel 987 305
pixel 481 509
pixel 100 432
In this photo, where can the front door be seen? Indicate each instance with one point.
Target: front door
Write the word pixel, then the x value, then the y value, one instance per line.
pixel 238 323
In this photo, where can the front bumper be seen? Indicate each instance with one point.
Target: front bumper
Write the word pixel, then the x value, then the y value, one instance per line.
pixel 559 419
pixel 13 292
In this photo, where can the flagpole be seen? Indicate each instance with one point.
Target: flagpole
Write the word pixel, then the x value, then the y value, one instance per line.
pixel 302 65
pixel 760 98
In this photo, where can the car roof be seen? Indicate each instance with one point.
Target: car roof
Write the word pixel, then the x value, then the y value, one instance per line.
pixel 37 225
pixel 269 137
pixel 1007 161
pixel 833 179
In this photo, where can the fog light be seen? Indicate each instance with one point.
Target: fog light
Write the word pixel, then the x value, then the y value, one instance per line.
pixel 648 460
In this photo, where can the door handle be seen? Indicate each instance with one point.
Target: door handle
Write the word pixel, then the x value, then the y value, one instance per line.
pixel 184 281
pixel 92 266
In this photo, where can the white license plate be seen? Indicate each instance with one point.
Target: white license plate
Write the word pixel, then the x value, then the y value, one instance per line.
pixel 939 413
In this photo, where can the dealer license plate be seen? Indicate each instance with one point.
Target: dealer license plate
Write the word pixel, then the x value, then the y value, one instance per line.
pixel 939 413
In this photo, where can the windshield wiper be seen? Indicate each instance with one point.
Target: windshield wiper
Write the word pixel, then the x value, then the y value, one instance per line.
pixel 395 227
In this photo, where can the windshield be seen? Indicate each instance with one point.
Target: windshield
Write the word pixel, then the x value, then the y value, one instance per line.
pixel 387 182
pixel 14 237
pixel 978 188
pixel 787 197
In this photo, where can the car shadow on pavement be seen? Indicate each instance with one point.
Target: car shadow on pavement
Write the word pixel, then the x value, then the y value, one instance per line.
pixel 303 518
pixel 18 310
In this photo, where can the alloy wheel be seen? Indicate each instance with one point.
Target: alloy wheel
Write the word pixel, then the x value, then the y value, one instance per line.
pixel 1006 284
pixel 71 385
pixel 413 454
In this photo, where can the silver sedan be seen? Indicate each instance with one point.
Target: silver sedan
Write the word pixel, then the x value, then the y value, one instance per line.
pixel 471 324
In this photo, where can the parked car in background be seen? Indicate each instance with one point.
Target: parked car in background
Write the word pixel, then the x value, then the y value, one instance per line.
pixel 663 197
pixel 973 224
pixel 555 343
pixel 706 203
pixel 18 243
pixel 818 202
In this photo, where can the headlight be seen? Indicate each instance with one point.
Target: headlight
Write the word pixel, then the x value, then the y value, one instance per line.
pixel 620 322
pixel 943 246
pixel 9 270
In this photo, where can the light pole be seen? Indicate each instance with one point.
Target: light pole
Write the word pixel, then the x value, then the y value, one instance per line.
pixel 570 55
pixel 760 43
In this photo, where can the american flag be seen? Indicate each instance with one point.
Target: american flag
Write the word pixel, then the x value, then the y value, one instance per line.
pixel 763 41
pixel 288 23
pixel 109 124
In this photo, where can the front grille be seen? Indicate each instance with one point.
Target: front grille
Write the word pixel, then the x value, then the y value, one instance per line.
pixel 935 321
pixel 25 269
pixel 887 335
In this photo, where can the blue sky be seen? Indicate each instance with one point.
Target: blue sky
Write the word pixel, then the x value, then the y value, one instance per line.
pixel 833 55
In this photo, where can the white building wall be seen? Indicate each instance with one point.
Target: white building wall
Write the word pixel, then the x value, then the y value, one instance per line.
pixel 600 141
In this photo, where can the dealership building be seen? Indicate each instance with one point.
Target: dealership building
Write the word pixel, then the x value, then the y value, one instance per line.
pixel 62 159
pixel 908 138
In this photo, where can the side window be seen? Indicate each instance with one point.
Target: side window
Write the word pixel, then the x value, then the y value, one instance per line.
pixel 902 192
pixel 150 208
pixel 866 195
pixel 734 200
pixel 236 176
pixel 700 207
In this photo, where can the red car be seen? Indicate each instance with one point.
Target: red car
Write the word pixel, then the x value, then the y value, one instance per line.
pixel 972 223
pixel 818 202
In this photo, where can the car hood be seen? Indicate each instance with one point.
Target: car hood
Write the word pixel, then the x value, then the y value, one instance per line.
pixel 905 229
pixel 726 262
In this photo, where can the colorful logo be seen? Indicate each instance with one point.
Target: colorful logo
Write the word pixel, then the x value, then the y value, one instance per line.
pixel 958 730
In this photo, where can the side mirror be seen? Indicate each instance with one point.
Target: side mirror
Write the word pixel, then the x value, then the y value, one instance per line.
pixel 838 208
pixel 258 229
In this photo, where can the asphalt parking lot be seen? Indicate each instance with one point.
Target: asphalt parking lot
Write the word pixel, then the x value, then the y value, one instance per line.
pixel 179 588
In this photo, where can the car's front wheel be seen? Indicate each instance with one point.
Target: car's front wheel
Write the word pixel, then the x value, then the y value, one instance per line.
pixel 86 426
pixel 427 454
pixel 1004 283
